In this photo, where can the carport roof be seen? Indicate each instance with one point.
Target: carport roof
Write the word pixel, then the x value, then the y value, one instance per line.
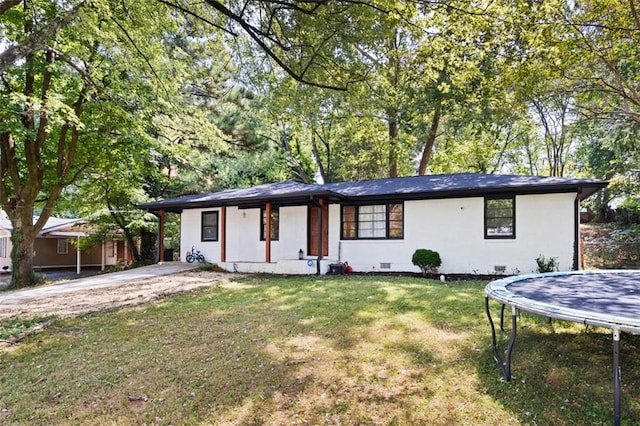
pixel 403 188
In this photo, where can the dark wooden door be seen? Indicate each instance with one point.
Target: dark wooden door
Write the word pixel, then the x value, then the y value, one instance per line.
pixel 314 211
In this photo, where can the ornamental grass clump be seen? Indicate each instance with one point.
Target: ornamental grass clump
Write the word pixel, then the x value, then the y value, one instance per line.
pixel 427 260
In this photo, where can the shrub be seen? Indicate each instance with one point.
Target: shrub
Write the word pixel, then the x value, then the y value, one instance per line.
pixel 547 265
pixel 427 260
pixel 210 267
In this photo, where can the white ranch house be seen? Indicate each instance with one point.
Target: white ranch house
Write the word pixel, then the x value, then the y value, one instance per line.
pixel 479 223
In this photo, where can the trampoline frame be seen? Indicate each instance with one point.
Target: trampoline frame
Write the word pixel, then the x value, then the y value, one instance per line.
pixel 498 290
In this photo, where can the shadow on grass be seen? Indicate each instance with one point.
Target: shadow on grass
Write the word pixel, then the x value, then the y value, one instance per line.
pixel 314 350
pixel 563 373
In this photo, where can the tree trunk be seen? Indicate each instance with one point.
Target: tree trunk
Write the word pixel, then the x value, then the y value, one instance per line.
pixel 316 155
pixel 431 140
pixel 393 144
pixel 148 246
pixel 23 239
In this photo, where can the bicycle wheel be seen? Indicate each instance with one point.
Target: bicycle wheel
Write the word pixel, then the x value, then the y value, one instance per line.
pixel 201 258
pixel 190 258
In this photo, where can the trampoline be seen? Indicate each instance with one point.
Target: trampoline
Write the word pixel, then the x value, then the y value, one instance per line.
pixel 609 299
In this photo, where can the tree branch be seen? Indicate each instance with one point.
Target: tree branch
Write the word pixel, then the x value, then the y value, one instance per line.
pixel 254 34
pixel 199 17
pixel 37 39
pixel 141 53
pixel 8 4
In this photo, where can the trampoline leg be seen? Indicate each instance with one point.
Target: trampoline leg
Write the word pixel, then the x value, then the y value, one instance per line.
pixel 502 317
pixel 505 366
pixel 512 341
pixel 616 377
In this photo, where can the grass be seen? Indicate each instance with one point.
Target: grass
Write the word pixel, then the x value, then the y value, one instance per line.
pixel 12 328
pixel 306 350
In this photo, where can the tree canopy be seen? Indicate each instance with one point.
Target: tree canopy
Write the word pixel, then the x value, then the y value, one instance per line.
pixel 117 102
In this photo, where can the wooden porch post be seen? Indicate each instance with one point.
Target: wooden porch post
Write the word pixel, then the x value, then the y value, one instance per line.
pixel 161 236
pixel 320 248
pixel 267 230
pixel 223 234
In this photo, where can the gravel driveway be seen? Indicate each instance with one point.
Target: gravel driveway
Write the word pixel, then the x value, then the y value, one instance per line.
pixel 131 287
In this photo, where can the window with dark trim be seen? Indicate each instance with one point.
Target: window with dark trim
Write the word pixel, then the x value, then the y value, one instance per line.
pixel 210 226
pixel 500 217
pixel 373 221
pixel 275 224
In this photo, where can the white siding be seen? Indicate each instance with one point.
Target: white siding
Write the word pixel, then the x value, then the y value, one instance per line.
pixel 190 236
pixel 243 235
pixel 5 251
pixel 455 228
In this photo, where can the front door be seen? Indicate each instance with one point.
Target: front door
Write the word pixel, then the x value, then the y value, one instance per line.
pixel 314 211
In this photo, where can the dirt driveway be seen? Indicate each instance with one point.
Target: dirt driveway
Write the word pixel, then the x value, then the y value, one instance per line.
pixel 76 297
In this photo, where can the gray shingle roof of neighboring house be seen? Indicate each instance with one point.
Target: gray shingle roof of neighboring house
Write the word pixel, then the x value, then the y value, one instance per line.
pixel 414 187
pixel 53 224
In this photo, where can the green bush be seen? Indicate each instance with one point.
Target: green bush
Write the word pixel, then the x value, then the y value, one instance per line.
pixel 547 265
pixel 427 260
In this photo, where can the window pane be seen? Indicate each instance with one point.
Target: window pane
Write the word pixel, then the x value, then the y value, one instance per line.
pixel 395 211
pixel 274 223
pixel 501 212
pixel 366 233
pixel 380 233
pixel 499 217
pixel 210 233
pixel 210 226
pixel 349 230
pixel 365 209
pixel 63 247
pixel 365 225
pixel 395 229
pixel 348 221
pixel 372 221
pixel 349 213
pixel 209 219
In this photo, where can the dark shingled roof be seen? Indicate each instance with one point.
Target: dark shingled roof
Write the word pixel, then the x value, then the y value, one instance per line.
pixel 287 192
pixel 463 184
pixel 415 187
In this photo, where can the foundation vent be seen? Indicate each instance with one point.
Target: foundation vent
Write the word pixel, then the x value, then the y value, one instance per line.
pixel 385 266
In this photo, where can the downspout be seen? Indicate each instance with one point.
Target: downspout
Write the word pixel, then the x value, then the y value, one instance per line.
pixel 320 248
pixel 223 234
pixel 576 231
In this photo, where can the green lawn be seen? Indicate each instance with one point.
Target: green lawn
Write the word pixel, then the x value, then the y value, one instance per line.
pixel 311 351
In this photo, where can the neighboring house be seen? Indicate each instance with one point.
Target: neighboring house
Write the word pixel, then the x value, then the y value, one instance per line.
pixel 479 223
pixel 55 246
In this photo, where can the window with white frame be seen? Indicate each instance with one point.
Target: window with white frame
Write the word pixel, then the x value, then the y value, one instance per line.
pixel 63 246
